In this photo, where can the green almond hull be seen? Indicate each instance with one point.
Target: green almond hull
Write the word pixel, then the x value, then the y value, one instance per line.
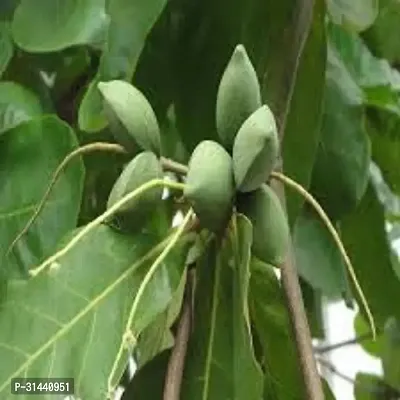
pixel 271 235
pixel 209 184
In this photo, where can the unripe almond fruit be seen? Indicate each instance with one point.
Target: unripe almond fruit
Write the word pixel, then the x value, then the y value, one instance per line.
pixel 142 169
pixel 255 150
pixel 209 184
pixel 238 96
pixel 132 119
pixel 271 232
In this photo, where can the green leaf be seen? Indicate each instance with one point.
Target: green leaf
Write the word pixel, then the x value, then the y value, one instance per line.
pixel 357 15
pixel 52 25
pixel 313 303
pixel 391 353
pixel 365 69
pixel 158 337
pixel 377 79
pixel 199 59
pixel 130 23
pixel 341 168
pixel 372 347
pixel 365 239
pixel 371 387
pixel 30 153
pixel 6 46
pixel 300 141
pixel 381 36
pixel 220 363
pixel 17 105
pixel 385 140
pixel 271 322
pixel 327 390
pixel 70 320
pixel 91 117
pixel 318 259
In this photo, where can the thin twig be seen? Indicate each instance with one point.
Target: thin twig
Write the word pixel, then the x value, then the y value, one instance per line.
pixel 314 203
pixel 333 369
pixel 173 379
pixel 173 166
pixel 290 280
pixel 101 218
pixel 167 164
pixel 335 346
pixel 89 148
pixel 383 389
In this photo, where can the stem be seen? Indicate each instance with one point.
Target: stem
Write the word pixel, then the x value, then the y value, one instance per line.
pixel 128 333
pixel 335 346
pixel 89 148
pixel 333 369
pixel 167 164
pixel 101 218
pixel 173 166
pixel 314 203
pixel 300 29
pixel 173 379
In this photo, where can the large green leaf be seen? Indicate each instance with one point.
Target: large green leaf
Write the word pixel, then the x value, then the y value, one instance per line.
pixel 364 237
pixel 6 46
pixel 362 65
pixel 130 23
pixel 29 155
pixel 17 104
pixel 220 363
pixel 354 14
pixel 383 131
pixel 271 321
pixel 158 337
pixel 70 320
pixel 318 259
pixel 382 35
pixel 372 347
pixel 52 25
pixel 302 131
pixel 379 81
pixel 372 387
pixel 391 353
pixel 341 168
pixel 206 39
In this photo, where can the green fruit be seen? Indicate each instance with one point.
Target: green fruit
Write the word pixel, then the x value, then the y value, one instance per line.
pixel 238 96
pixel 271 235
pixel 131 116
pixel 255 150
pixel 142 169
pixel 209 184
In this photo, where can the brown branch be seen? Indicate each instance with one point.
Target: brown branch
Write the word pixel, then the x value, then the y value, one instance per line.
pixel 173 379
pixel 290 280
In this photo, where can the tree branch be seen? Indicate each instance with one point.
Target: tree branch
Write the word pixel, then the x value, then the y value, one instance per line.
pixel 335 346
pixel 290 280
pixel 173 379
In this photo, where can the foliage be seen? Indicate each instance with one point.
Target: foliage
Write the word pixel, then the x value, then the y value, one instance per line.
pixel 85 286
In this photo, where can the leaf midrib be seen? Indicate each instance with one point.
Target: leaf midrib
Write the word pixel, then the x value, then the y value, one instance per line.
pixel 67 327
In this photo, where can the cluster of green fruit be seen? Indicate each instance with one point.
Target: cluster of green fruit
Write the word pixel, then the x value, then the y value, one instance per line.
pixel 222 176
